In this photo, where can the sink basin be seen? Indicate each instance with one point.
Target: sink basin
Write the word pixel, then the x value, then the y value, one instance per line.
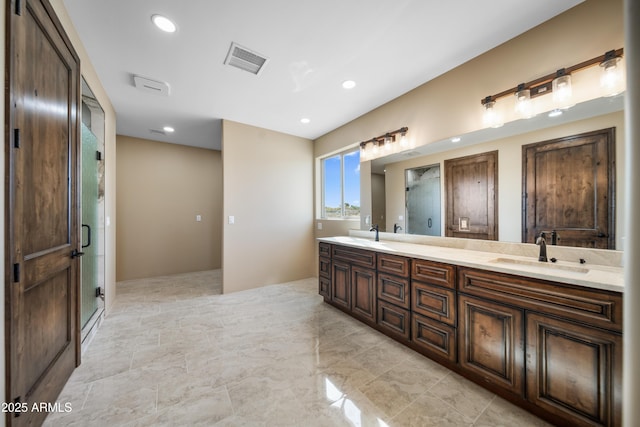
pixel 532 263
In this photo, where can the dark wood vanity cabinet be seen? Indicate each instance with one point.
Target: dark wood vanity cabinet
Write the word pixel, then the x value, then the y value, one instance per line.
pixel 394 296
pixel 433 310
pixel 324 271
pixel 350 283
pixel 564 340
pixel 553 348
pixel 491 342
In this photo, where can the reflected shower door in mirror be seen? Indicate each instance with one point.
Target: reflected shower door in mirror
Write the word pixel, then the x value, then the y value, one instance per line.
pixel 423 204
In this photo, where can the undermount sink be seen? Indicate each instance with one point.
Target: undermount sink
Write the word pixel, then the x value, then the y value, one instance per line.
pixel 532 263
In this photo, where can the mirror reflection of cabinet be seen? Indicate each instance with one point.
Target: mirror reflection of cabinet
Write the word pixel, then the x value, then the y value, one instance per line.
pixel 423 200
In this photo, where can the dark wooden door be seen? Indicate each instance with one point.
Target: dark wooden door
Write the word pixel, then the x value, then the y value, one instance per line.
pixel 491 342
pixel 472 196
pixel 568 186
pixel 574 371
pixel 42 210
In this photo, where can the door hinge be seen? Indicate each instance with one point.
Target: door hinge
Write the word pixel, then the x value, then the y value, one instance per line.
pixel 18 9
pixel 16 138
pixel 16 273
pixel 98 155
pixel 99 292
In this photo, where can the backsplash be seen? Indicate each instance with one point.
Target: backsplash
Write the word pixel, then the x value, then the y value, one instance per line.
pixel 604 257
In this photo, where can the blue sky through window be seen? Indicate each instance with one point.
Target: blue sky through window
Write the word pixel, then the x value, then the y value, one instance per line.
pixel 350 163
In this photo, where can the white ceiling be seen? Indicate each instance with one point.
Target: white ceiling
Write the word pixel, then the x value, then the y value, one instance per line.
pixel 387 47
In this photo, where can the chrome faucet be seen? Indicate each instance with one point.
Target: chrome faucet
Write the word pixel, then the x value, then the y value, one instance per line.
pixel 540 241
pixel 396 227
pixel 375 227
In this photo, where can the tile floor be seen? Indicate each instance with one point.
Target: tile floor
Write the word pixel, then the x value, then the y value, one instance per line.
pixel 175 352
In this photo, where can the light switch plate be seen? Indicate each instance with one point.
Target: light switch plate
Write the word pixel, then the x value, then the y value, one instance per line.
pixel 232 219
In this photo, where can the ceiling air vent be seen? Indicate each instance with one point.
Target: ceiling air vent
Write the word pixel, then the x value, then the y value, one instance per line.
pixel 245 59
pixel 153 86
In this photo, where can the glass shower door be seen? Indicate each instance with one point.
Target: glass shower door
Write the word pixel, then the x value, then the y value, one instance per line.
pixel 89 261
pixel 92 265
pixel 423 200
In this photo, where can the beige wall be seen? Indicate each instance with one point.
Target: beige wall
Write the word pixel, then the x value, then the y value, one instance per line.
pixel 450 104
pixel 509 174
pixel 160 189
pixel 268 181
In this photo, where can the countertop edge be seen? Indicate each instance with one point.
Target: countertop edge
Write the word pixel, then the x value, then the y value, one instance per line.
pixel 599 277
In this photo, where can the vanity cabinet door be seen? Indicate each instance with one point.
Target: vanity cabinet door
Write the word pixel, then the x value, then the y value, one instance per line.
pixel 574 371
pixel 363 293
pixel 491 342
pixel 341 284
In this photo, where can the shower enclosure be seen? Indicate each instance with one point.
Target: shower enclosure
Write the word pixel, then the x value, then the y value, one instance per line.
pixel 92 265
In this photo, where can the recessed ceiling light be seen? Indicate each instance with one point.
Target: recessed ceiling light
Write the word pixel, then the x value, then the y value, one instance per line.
pixel 348 84
pixel 164 23
pixel 455 139
pixel 168 129
pixel 305 120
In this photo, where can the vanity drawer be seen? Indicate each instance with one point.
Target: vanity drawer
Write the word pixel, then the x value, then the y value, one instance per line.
pixel 324 267
pixel 433 272
pixel 434 302
pixel 595 307
pixel 394 289
pixel 325 249
pixel 394 264
pixel 324 284
pixel 433 338
pixel 394 320
pixel 356 256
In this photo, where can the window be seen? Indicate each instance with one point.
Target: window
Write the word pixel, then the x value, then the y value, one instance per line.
pixel 341 185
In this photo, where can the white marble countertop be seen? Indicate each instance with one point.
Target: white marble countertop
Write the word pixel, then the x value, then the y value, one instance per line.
pixel 574 273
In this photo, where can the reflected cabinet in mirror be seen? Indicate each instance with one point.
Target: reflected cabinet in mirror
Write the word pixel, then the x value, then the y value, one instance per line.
pixel 556 176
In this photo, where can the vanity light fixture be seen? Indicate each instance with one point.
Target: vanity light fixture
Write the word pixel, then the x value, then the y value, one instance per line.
pixel 491 117
pixel 558 83
pixel 524 107
pixel 164 23
pixel 561 89
pixel 612 80
pixel 384 144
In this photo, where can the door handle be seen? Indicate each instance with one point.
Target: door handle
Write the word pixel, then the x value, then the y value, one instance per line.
pixel 76 254
pixel 429 223
pixel 88 235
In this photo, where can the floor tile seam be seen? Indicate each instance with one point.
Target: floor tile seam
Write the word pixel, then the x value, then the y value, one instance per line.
pixel 451 407
pixel 493 399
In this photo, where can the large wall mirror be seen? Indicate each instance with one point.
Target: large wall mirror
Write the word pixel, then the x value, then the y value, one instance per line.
pixel 509 140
